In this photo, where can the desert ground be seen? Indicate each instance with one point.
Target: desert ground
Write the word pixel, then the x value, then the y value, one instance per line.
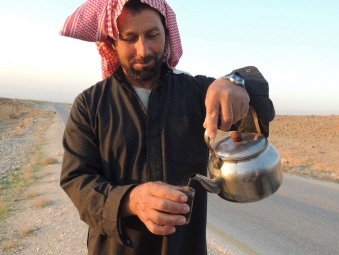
pixel 31 156
pixel 308 145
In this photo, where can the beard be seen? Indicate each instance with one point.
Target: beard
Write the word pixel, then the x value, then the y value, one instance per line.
pixel 146 73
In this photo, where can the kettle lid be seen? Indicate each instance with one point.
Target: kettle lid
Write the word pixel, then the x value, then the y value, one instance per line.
pixel 240 146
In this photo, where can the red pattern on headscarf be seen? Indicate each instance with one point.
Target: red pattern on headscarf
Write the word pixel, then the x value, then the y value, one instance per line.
pixel 94 20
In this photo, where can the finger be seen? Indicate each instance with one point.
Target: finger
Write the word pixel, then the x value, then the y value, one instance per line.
pixel 244 110
pixel 180 188
pixel 166 191
pixel 168 206
pixel 163 218
pixel 161 223
pixel 211 120
pixel 226 117
pixel 239 113
pixel 159 229
pixel 236 114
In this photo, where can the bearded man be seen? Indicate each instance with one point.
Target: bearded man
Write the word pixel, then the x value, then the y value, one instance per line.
pixel 138 133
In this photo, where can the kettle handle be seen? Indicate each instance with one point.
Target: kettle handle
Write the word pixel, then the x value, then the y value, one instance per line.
pixel 207 139
pixel 214 157
pixel 255 119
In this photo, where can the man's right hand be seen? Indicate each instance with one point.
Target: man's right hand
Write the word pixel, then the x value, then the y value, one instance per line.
pixel 158 205
pixel 227 101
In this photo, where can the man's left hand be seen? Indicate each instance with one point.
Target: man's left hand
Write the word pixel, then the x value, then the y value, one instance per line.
pixel 226 101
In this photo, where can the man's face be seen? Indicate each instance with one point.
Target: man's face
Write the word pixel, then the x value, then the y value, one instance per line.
pixel 141 43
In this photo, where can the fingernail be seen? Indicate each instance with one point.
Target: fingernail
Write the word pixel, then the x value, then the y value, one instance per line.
pixel 182 220
pixel 172 230
pixel 183 198
pixel 186 209
pixel 212 135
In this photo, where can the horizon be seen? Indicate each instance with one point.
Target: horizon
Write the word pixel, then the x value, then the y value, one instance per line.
pixel 293 44
pixel 280 112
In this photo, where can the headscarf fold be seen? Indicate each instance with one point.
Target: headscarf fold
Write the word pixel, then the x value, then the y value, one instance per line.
pixel 95 20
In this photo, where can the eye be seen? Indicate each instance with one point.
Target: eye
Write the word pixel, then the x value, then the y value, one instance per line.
pixel 152 35
pixel 129 39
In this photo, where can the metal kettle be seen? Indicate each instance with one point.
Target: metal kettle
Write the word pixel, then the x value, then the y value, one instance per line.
pixel 243 167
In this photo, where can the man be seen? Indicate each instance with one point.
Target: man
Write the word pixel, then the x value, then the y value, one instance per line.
pixel 136 135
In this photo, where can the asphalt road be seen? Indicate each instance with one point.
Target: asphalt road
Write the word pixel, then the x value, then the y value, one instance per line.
pixel 62 111
pixel 302 217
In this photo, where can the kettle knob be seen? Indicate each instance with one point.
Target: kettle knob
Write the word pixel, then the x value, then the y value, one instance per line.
pixel 236 136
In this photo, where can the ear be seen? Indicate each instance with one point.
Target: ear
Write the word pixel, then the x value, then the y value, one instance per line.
pixel 113 47
pixel 112 42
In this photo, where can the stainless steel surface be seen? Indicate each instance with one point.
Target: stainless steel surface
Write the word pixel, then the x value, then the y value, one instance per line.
pixel 213 186
pixel 250 146
pixel 252 172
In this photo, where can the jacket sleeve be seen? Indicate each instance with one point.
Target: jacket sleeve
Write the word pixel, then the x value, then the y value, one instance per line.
pixel 258 90
pixel 96 199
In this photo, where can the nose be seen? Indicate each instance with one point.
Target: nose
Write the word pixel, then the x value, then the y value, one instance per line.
pixel 142 48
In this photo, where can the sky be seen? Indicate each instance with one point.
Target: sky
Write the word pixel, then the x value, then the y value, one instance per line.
pixel 295 45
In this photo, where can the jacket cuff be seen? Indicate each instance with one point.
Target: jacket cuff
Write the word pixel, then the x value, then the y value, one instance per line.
pixel 258 90
pixel 114 226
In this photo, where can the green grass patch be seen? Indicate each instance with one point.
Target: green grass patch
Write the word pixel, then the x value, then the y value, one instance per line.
pixel 3 209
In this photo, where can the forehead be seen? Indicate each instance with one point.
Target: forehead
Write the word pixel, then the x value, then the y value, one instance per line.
pixel 143 20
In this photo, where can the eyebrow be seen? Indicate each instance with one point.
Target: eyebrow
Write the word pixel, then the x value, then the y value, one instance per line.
pixel 133 33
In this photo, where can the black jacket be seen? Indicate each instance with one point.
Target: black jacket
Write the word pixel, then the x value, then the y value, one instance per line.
pixel 112 143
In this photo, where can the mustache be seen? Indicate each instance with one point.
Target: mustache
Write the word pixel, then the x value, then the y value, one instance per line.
pixel 145 60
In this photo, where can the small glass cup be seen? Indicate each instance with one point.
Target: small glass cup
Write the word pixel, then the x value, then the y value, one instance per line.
pixel 190 192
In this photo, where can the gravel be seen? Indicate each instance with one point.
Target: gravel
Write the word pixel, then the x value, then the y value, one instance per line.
pixel 51 229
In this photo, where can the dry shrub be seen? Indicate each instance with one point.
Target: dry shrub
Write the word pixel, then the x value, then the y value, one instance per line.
pixel 10 179
pixel 26 230
pixel 41 202
pixel 2 206
pixel 16 190
pixel 10 245
pixel 31 193
pixel 49 161
pixel 11 116
pixel 43 174
pixel 35 159
pixel 28 173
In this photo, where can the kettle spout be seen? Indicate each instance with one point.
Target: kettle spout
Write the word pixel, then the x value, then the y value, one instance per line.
pixel 211 185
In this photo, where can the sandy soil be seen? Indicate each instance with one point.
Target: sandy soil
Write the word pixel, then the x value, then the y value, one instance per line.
pixel 20 121
pixel 308 145
pixel 41 218
pixel 18 113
